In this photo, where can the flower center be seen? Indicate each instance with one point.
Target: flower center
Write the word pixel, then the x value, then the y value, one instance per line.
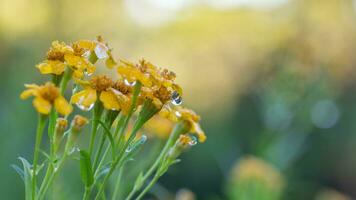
pixel 101 83
pixel 49 92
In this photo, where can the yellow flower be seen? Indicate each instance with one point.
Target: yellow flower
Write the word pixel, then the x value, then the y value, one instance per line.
pixel 252 168
pixel 132 73
pixel 79 65
pixel 109 95
pixel 54 64
pixel 46 96
pixel 99 48
pixel 78 123
pixel 183 114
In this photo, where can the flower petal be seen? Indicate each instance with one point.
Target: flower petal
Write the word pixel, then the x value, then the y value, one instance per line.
pixel 62 106
pixel 85 98
pixel 27 93
pixel 51 67
pixel 109 100
pixel 42 106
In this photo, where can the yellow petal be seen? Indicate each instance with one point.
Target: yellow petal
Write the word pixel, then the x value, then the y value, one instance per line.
pixel 51 67
pixel 197 130
pixel 42 106
pixel 124 101
pixel 133 74
pixel 72 60
pixel 62 106
pixel 27 93
pixel 110 62
pixel 85 98
pixel 109 100
pixel 87 44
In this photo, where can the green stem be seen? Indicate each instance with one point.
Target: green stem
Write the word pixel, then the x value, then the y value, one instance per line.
pixel 98 109
pixel 65 79
pixel 148 187
pixel 179 129
pixel 45 187
pixel 98 153
pixel 86 193
pixel 117 184
pixel 122 151
pixel 39 133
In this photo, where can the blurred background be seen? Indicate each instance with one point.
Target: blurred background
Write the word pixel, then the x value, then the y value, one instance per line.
pixel 271 78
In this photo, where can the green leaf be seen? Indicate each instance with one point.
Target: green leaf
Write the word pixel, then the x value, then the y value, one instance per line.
pixel 19 171
pixel 27 178
pixel 139 181
pixel 86 170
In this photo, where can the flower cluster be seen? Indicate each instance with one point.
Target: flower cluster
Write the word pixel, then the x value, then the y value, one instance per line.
pixel 141 91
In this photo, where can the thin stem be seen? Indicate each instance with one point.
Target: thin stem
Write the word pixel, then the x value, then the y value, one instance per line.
pixel 179 129
pixel 95 124
pixel 98 153
pixel 65 79
pixel 148 187
pixel 39 133
pixel 86 193
pixel 45 187
pixel 118 160
pixel 117 184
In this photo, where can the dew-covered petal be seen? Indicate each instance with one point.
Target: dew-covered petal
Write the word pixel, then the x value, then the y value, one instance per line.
pixel 85 98
pixel 110 101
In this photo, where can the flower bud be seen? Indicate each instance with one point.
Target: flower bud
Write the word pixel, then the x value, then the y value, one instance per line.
pixel 77 126
pixel 78 123
pixel 61 126
pixel 183 142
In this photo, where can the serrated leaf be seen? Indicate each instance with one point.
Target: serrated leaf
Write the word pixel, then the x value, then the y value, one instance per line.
pixel 86 170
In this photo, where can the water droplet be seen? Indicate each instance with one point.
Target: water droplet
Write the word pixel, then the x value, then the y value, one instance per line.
pixel 128 83
pixel 193 141
pixel 73 150
pixel 128 149
pixel 175 95
pixel 176 98
pixel 82 107
pixel 143 139
pixel 178 114
pixel 55 169
pixel 101 51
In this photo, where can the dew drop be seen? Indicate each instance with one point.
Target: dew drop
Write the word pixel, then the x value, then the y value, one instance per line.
pixel 73 150
pixel 193 141
pixel 176 98
pixel 178 114
pixel 84 107
pixel 128 83
pixel 101 51
pixel 128 150
pixel 143 139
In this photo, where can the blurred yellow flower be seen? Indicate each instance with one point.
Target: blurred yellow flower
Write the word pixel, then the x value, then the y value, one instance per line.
pixel 251 168
pixel 159 126
pixel 179 113
pixel 46 96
